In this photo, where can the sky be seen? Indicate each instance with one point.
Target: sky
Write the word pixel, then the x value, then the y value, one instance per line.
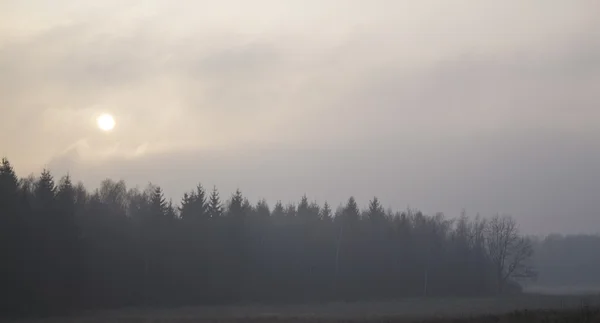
pixel 488 106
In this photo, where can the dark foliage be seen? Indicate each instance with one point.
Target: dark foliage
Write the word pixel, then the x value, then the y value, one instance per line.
pixel 64 248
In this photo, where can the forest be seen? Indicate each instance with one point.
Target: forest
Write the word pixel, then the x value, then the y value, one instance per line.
pixel 66 248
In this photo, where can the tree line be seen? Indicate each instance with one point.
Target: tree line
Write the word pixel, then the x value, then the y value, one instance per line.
pixel 568 262
pixel 66 248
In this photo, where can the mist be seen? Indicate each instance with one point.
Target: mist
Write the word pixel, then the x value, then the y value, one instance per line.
pixel 444 106
pixel 291 151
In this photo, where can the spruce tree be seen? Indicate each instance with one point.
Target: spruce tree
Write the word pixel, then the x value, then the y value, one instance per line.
pixel 200 206
pixel 278 210
pixel 215 207
pixel 66 237
pixel 9 184
pixel 290 210
pixel 14 244
pixel 303 211
pixel 170 212
pixel 45 192
pixel 376 212
pixel 262 209
pixel 187 206
pixel 351 213
pixel 237 205
pixel 158 203
pixel 326 212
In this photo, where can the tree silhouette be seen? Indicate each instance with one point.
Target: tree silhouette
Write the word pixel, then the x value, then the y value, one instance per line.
pixel 215 208
pixel 507 251
pixel 326 212
pixel 194 205
pixel 262 209
pixel 350 213
pixel 66 248
pixel 375 212
pixel 13 239
pixel 158 205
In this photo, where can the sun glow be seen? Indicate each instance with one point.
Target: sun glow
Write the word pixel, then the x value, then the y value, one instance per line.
pixel 106 122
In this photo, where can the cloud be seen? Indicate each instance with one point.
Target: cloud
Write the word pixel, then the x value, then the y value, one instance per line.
pixel 536 176
pixel 272 91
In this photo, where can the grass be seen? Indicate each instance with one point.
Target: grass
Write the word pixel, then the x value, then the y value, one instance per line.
pixel 540 308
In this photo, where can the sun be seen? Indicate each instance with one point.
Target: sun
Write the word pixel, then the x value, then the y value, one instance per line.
pixel 106 122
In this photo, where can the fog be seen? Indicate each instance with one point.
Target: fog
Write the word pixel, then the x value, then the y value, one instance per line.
pixel 337 157
pixel 489 106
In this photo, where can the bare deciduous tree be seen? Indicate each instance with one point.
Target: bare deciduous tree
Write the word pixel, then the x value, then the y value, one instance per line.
pixel 507 250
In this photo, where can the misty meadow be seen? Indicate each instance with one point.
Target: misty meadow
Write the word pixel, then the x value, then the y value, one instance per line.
pixel 72 249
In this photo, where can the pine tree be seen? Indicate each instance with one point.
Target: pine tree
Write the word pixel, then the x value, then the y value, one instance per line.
pixel 65 196
pixel 45 192
pixel 48 231
pixel 69 260
pixel 170 211
pixel 81 197
pixel 187 205
pixel 65 215
pixel 314 211
pixel 13 242
pixel 351 213
pixel 246 206
pixel 158 203
pixel 9 197
pixel 290 210
pixel 194 205
pixel 303 212
pixel 236 205
pixel 200 205
pixel 9 183
pixel 278 210
pixel 326 212
pixel 376 212
pixel 215 208
pixel 262 209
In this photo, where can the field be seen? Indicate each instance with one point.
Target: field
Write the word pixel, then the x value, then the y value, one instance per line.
pixel 526 308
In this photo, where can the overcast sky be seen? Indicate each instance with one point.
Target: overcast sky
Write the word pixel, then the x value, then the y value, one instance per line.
pixel 492 106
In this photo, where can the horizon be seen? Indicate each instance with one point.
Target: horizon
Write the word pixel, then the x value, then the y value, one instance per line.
pixel 490 106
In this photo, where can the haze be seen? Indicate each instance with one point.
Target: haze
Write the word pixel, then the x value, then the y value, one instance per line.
pixel 490 106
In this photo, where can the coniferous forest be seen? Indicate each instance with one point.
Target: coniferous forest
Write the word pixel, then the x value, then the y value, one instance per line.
pixel 65 248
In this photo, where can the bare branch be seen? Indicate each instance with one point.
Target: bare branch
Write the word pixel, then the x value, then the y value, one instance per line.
pixel 507 250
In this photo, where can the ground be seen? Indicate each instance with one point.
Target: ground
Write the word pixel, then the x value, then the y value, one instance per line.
pixel 526 308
